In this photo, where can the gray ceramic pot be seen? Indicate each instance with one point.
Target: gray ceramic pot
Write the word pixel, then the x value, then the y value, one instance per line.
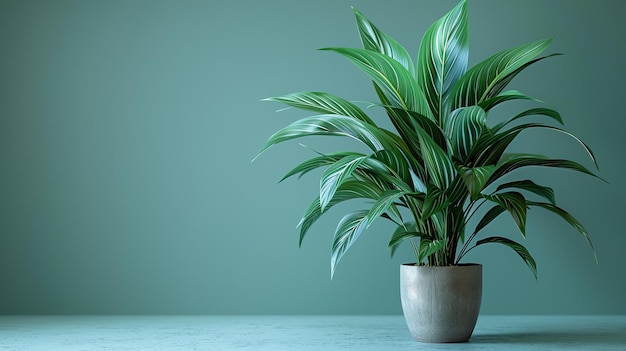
pixel 441 304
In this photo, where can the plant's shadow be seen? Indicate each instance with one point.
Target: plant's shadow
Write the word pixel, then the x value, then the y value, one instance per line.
pixel 564 338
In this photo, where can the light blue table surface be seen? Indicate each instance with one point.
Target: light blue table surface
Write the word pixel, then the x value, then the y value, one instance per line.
pixel 42 333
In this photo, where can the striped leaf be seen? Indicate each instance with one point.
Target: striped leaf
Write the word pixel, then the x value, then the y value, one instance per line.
pixel 428 248
pixel 526 160
pixel 348 231
pixel 435 201
pixel 518 248
pixel 532 112
pixel 348 190
pixel 405 231
pixel 528 185
pixel 463 127
pixel 324 103
pixel 476 179
pixel 385 202
pixel 317 162
pixel 503 97
pixel 515 204
pixel 569 219
pixel 492 214
pixel 489 77
pixel 394 80
pixel 336 174
pixel 419 121
pixel 437 161
pixel 334 125
pixel 443 57
pixel 396 163
pixel 375 40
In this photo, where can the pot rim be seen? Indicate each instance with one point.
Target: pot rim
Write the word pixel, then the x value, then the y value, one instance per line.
pixel 449 266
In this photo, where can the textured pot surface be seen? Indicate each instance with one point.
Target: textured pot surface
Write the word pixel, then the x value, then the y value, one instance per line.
pixel 441 304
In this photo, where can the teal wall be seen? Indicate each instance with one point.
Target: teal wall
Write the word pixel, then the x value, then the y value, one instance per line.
pixel 127 130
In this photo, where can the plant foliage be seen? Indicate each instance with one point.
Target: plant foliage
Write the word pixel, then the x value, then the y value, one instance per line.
pixel 444 160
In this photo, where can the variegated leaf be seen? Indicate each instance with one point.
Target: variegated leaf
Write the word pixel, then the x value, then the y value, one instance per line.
pixel 336 174
pixel 443 57
pixel 348 190
pixel 398 85
pixel 463 127
pixel 503 97
pixel 324 103
pixel 375 40
pixel 486 79
pixel 476 179
pixel 569 219
pixel 515 204
pixel 528 185
pixel 518 248
pixel 348 231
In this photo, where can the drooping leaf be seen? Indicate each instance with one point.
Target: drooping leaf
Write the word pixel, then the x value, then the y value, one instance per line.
pixel 492 214
pixel 528 185
pixel 486 79
pixel 396 82
pixel 386 202
pixel 569 219
pixel 405 231
pixel 532 112
pixel 396 163
pixel 476 179
pixel 443 57
pixel 463 127
pixel 518 248
pixel 515 204
pixel 336 174
pixel 348 231
pixel 348 190
pixel 503 97
pixel 334 125
pixel 527 160
pixel 317 162
pixel 375 40
pixel 324 103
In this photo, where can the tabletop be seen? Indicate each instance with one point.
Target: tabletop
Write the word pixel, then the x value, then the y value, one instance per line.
pixel 276 333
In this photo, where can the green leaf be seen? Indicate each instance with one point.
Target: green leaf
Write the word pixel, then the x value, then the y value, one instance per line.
pixel 386 202
pixel 348 231
pixel 405 231
pixel 375 40
pixel 518 248
pixel 336 174
pixel 348 190
pixel 531 186
pixel 569 219
pixel 317 162
pixel 476 179
pixel 395 81
pixel 463 128
pixel 526 160
pixel 515 203
pixel 503 97
pixel 532 112
pixel 333 125
pixel 438 163
pixel 324 103
pixel 489 77
pixel 443 57
pixel 492 214
pixel 428 247
pixel 434 202
pixel 396 163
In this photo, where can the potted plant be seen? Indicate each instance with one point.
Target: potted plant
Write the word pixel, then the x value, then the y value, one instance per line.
pixel 443 165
